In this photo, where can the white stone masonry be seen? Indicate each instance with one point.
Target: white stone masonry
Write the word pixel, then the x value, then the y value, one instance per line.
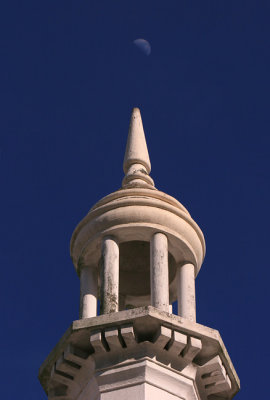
pixel 109 296
pixel 159 272
pixel 186 292
pixel 89 291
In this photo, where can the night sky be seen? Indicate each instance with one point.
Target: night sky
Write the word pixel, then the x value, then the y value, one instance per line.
pixel 70 75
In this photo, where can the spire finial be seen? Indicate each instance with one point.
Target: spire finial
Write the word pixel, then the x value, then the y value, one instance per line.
pixel 137 164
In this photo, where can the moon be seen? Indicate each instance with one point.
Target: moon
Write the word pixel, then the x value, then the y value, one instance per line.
pixel 143 45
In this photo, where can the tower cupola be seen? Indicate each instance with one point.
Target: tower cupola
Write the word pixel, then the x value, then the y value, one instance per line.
pixel 137 246
pixel 137 251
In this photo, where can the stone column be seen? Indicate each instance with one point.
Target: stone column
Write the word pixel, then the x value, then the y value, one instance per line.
pixel 89 288
pixel 186 292
pixel 159 271
pixel 109 296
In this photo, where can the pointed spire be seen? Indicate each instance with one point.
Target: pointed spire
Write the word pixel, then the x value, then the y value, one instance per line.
pixel 136 150
pixel 137 164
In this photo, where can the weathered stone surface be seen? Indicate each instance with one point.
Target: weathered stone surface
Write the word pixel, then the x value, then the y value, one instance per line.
pixel 89 292
pixel 107 342
pixel 109 293
pixel 186 291
pixel 159 271
pixel 136 247
pixel 137 164
pixel 132 216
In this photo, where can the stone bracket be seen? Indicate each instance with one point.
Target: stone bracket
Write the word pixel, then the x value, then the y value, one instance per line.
pixel 115 344
pixel 213 377
pixel 70 372
pixel 166 340
pixel 91 349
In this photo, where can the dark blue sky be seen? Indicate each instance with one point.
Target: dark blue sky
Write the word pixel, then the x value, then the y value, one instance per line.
pixel 69 77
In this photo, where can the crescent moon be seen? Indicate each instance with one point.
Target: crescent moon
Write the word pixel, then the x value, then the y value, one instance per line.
pixel 143 45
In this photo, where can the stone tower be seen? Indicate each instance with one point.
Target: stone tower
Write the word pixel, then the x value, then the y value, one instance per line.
pixel 138 250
